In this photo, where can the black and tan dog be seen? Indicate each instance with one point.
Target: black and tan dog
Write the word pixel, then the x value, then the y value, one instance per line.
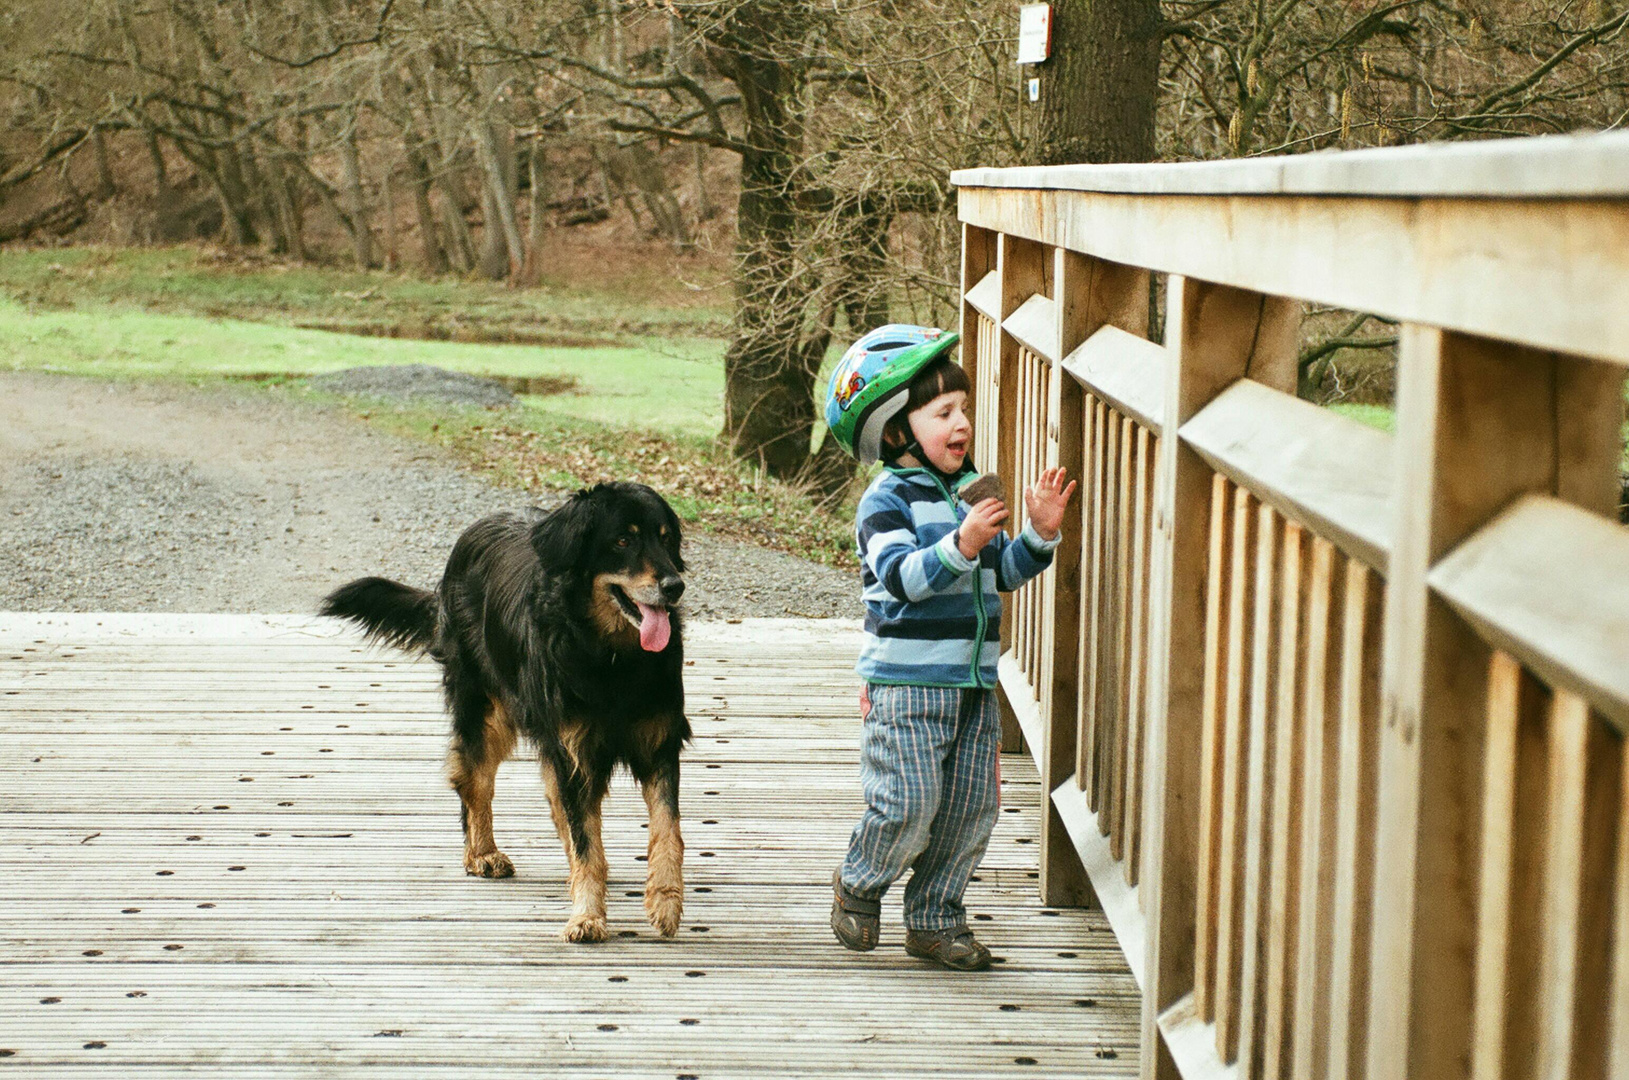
pixel 558 628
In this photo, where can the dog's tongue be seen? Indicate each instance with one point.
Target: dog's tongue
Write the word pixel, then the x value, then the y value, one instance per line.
pixel 654 628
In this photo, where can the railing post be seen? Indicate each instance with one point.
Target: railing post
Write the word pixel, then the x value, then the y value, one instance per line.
pixel 1478 423
pixel 1215 335
pixel 1089 294
pixel 1022 264
pixel 978 259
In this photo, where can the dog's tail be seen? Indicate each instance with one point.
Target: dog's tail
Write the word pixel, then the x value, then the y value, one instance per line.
pixel 390 612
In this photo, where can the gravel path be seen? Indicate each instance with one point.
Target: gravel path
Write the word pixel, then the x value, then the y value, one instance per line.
pixel 157 497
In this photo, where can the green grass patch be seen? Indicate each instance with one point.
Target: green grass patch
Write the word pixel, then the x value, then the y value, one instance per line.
pixel 1381 417
pixel 673 386
pixel 630 298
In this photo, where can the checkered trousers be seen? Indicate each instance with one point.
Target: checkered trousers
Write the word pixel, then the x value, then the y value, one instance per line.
pixel 930 766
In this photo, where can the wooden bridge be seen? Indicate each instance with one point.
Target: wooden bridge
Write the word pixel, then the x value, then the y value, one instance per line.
pixel 1327 724
pixel 229 850
pixel 1331 720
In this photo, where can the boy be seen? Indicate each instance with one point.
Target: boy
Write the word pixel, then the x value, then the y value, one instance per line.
pixel 931 570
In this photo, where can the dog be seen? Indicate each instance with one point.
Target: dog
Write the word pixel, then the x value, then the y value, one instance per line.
pixel 559 628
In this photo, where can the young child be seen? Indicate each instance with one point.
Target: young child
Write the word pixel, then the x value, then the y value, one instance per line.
pixel 931 570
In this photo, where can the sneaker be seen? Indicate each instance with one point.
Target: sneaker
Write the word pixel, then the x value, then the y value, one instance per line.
pixel 856 921
pixel 954 947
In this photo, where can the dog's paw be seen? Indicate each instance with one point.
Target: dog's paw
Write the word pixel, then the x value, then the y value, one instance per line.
pixel 494 864
pixel 664 908
pixel 586 929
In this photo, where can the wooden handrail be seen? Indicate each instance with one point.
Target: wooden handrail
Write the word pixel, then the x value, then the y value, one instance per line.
pixel 1332 719
pixel 1517 582
pixel 1314 466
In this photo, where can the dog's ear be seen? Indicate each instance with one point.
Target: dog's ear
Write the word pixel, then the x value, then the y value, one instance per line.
pixel 675 538
pixel 560 538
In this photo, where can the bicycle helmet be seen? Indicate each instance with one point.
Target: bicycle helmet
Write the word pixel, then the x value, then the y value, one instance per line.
pixel 873 381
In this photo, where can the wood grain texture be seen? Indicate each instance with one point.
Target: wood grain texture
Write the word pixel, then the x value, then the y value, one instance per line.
pixel 339 934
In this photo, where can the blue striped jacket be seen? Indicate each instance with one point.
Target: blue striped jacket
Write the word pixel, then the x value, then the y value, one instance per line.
pixel 930 620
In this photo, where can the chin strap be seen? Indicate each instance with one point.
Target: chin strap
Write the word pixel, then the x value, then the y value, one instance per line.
pixel 911 447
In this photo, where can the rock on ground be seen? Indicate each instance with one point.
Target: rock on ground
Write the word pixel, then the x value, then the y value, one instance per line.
pixel 162 497
pixel 415 382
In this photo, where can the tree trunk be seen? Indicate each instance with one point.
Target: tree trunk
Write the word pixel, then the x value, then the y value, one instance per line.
pixel 418 172
pixel 538 188
pixel 356 205
pixel 393 251
pixel 1099 87
pixel 502 230
pixel 458 205
pixel 105 187
pixel 769 370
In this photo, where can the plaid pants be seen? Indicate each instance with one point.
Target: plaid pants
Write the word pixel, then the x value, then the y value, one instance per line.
pixel 930 766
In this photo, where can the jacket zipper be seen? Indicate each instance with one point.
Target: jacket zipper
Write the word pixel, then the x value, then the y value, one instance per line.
pixel 978 584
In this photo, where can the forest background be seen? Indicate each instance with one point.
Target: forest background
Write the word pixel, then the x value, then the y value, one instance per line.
pixel 770 174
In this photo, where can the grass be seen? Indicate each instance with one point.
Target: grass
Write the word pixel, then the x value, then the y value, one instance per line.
pixel 643 351
pixel 611 296
pixel 674 386
pixel 1382 417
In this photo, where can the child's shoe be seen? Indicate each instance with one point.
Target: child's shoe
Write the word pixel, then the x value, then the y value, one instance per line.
pixel 954 947
pixel 856 921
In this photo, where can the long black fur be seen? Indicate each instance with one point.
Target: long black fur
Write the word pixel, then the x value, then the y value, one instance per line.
pixel 512 623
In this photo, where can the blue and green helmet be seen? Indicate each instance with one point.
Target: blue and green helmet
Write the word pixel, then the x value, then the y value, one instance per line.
pixel 873 381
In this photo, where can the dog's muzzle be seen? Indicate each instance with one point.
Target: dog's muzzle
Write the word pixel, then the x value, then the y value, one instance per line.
pixel 655 626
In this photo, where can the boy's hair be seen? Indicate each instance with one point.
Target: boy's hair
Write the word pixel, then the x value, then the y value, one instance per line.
pixel 941 376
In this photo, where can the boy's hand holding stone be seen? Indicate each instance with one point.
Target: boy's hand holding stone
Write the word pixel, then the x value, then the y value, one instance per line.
pixel 979 527
pixel 1046 499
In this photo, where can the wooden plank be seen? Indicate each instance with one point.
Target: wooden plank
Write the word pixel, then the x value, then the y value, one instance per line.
pixel 317 949
pixel 1271 594
pixel 1119 750
pixel 1236 732
pixel 1137 691
pixel 1618 1052
pixel 1532 271
pixel 1108 640
pixel 1092 715
pixel 985 295
pixel 1125 368
pixel 1586 768
pixel 1280 917
pixel 1357 784
pixel 1314 933
pixel 978 262
pixel 1514 814
pixel 1035 326
pixel 985 437
pixel 1019 604
pixel 1558 166
pixel 1218 620
pixel 1315 466
pixel 1549 583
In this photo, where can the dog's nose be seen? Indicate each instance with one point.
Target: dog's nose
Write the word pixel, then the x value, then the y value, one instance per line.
pixel 672 588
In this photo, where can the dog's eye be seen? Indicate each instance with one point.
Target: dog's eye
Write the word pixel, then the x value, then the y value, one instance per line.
pixel 624 541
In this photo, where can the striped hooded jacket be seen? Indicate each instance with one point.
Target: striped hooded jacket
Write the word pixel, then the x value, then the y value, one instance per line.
pixel 930 618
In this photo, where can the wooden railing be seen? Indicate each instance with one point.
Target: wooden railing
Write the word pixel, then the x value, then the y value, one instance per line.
pixel 1332 720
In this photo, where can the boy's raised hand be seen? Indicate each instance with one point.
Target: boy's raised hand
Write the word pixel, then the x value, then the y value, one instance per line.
pixel 979 527
pixel 1046 499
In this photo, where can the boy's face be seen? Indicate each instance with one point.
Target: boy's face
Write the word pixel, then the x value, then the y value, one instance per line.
pixel 943 431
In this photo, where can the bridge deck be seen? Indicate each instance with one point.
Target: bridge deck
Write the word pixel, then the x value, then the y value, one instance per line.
pixel 228 850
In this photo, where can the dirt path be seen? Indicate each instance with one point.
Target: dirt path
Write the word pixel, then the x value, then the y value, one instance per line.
pixel 159 497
